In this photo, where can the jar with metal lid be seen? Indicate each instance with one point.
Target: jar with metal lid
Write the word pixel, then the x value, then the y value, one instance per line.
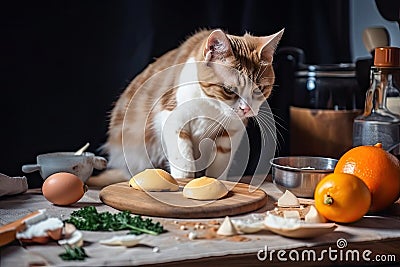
pixel 331 86
pixel 326 99
pixel 322 100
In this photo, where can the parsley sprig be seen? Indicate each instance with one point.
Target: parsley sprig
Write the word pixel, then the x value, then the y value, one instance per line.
pixel 87 218
pixel 73 254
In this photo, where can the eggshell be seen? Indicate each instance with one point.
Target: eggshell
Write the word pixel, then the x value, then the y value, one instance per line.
pixel 63 188
pixel 55 234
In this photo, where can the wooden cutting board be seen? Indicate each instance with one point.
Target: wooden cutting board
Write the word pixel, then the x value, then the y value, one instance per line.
pixel 174 205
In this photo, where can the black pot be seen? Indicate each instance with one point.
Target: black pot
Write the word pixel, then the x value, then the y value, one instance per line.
pixel 327 87
pixel 317 90
pixel 333 86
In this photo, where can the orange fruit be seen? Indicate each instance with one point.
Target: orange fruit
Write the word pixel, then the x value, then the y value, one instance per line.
pixel 342 197
pixel 379 170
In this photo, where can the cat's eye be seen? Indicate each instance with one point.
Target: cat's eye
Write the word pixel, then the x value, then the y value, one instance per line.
pixel 229 90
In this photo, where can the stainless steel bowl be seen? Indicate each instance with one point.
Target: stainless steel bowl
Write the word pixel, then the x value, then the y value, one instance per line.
pixel 300 175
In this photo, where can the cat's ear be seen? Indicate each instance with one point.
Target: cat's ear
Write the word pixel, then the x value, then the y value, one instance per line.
pixel 217 47
pixel 267 46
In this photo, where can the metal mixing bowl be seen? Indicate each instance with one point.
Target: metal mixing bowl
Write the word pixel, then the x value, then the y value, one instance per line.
pixel 300 175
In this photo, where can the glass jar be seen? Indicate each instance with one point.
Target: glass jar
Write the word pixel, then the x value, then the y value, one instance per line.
pixel 378 123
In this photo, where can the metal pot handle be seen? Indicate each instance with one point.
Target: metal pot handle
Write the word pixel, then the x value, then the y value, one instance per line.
pixel 99 163
pixel 30 168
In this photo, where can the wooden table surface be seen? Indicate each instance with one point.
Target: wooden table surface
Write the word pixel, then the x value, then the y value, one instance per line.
pixel 379 234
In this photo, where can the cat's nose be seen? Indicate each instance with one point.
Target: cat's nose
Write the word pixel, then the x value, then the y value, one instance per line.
pixel 244 106
pixel 245 109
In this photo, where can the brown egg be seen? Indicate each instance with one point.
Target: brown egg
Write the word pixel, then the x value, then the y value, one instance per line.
pixel 63 188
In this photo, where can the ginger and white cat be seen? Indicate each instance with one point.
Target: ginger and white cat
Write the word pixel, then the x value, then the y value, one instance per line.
pixel 186 112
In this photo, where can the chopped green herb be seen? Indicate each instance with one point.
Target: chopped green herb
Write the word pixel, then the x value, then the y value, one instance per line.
pixel 87 218
pixel 73 254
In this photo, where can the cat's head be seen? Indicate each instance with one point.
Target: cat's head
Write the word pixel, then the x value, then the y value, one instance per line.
pixel 238 71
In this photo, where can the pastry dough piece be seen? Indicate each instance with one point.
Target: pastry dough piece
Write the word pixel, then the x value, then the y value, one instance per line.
pixel 205 188
pixel 154 180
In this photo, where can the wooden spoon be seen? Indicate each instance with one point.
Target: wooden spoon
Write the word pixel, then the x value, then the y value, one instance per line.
pixel 374 37
pixel 8 232
pixel 82 149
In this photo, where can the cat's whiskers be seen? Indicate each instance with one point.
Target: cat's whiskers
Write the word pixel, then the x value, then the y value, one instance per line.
pixel 212 127
pixel 259 73
pixel 262 73
pixel 266 131
pixel 257 121
pixel 273 117
pixel 223 125
pixel 264 121
pixel 269 77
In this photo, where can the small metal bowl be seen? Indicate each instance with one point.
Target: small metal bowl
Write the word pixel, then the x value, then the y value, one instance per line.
pixel 300 175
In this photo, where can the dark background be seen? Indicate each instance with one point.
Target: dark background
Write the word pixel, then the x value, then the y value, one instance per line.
pixel 64 63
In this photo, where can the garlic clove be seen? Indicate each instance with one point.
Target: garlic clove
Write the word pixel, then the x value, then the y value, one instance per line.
pixel 68 230
pixel 288 199
pixel 293 214
pixel 76 240
pixel 313 216
pixel 227 228
pixel 126 240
